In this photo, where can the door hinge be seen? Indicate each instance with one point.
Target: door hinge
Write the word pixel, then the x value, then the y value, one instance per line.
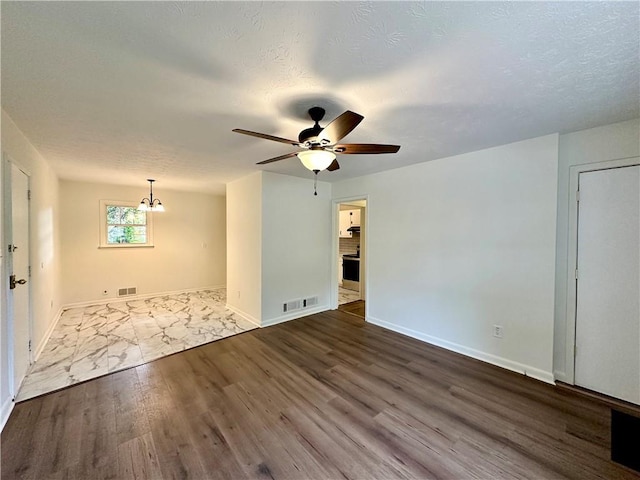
pixel 28 194
pixel 578 195
pixel 575 350
pixel 29 345
pixel 29 271
pixel 576 274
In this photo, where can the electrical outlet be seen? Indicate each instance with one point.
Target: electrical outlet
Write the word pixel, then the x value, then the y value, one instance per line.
pixel 498 331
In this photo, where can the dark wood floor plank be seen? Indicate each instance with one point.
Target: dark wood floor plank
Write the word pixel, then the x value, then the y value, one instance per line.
pixel 60 431
pixel 137 459
pixel 323 397
pixel 214 452
pixel 354 308
pixel 333 443
pixel 131 420
pixel 99 438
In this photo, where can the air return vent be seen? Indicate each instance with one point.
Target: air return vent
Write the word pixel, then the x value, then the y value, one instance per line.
pixel 125 292
pixel 309 302
pixel 291 306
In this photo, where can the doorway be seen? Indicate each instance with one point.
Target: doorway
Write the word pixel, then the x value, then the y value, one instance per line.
pixel 352 256
pixel 18 318
pixel 607 335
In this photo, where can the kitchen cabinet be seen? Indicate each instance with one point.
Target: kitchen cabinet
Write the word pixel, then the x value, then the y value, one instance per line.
pixel 355 217
pixel 345 223
pixel 348 219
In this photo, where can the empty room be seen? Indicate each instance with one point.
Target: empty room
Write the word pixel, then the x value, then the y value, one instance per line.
pixel 320 240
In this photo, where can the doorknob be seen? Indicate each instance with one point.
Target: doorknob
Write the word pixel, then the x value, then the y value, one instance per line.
pixel 13 282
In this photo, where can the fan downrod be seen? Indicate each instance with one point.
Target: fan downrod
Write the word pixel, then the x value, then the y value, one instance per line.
pixel 316 114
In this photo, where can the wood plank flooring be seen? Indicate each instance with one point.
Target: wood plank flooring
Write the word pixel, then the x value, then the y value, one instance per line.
pixel 355 308
pixel 324 397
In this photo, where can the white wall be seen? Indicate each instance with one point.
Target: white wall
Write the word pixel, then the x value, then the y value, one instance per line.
pixel 609 142
pixel 296 244
pixel 244 246
pixel 44 239
pixel 189 239
pixel 278 245
pixel 460 244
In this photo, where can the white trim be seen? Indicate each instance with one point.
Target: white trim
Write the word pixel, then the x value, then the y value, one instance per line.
pixel 295 315
pixel 572 257
pixel 283 318
pixel 47 335
pixel 7 202
pixel 103 225
pixel 335 248
pixel 137 297
pixel 5 411
pixel 246 316
pixel 526 370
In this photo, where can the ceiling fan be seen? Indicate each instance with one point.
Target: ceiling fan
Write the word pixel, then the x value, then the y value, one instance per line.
pixel 319 145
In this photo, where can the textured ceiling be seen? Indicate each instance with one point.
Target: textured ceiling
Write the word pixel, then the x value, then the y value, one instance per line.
pixel 123 91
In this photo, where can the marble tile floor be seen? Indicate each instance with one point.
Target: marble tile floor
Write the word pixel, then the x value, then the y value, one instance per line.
pixel 92 341
pixel 347 296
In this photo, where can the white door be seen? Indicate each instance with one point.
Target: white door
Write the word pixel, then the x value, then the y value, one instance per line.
pixel 18 265
pixel 608 286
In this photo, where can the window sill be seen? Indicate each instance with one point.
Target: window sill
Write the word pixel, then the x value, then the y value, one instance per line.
pixel 126 245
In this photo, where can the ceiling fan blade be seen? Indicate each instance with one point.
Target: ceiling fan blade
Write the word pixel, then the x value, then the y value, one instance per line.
pixel 275 159
pixel 354 148
pixel 334 166
pixel 266 137
pixel 339 128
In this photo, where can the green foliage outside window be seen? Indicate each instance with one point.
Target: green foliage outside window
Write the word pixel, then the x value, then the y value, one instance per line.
pixel 126 225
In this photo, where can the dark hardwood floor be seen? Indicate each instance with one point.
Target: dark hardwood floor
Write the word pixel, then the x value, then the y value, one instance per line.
pixel 355 308
pixel 324 397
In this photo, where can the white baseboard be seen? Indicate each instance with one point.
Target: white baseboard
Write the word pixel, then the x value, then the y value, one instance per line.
pixel 293 315
pixel 284 318
pixel 561 377
pixel 104 301
pixel 246 316
pixel 526 370
pixel 47 335
pixel 5 411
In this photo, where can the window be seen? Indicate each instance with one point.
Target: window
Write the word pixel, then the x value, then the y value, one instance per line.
pixel 123 225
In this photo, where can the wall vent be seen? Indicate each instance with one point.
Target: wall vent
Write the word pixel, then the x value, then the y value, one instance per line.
pixel 125 292
pixel 310 302
pixel 291 306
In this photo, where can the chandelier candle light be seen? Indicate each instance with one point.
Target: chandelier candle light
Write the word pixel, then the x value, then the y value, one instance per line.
pixel 150 204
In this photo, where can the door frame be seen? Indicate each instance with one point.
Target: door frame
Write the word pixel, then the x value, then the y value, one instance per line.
pixel 572 252
pixel 335 248
pixel 7 239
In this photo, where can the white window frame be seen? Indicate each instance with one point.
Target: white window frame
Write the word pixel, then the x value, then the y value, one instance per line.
pixel 103 226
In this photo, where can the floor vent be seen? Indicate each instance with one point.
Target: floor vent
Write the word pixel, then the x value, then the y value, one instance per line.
pixel 291 306
pixel 125 292
pixel 310 302
pixel 625 432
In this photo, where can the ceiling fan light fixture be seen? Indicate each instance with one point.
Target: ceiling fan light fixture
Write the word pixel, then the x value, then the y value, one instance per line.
pixel 316 160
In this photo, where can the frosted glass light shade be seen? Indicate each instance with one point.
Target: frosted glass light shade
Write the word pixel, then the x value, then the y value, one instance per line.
pixel 158 207
pixel 143 207
pixel 316 159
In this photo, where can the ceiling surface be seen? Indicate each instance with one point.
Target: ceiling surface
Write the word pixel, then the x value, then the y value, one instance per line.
pixel 118 92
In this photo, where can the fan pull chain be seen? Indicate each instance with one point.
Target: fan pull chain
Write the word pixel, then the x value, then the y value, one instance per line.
pixel 315 183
